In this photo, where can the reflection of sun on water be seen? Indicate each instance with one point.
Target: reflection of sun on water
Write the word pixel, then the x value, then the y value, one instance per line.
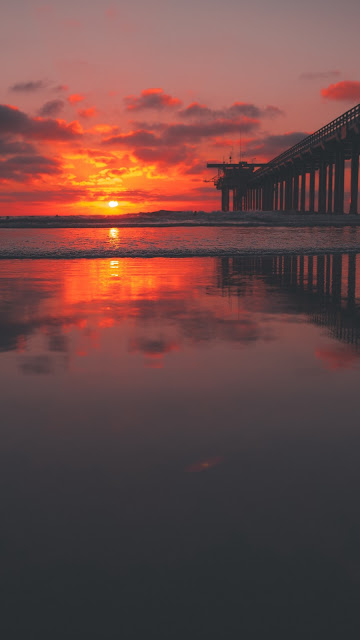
pixel 114 264
pixel 114 233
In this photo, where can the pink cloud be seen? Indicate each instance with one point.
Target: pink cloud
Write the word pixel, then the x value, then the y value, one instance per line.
pixel 75 98
pixel 345 90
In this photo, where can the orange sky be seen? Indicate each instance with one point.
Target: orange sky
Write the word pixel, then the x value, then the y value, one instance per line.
pixel 123 102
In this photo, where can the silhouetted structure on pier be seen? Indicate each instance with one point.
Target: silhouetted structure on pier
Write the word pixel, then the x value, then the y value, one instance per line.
pixel 310 176
pixel 235 178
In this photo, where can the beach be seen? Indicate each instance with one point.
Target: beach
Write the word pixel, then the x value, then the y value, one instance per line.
pixel 177 427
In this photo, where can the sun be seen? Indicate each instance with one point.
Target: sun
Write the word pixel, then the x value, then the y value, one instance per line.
pixel 113 203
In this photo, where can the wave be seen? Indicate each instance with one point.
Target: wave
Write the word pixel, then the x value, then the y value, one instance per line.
pixel 65 254
pixel 166 218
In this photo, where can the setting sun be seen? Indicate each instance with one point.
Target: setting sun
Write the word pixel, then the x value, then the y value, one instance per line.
pixel 113 203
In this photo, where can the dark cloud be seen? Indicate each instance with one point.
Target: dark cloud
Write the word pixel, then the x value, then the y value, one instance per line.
pixel 173 134
pixel 52 108
pixel 11 147
pixel 35 196
pixel 146 125
pixel 175 142
pixel 151 99
pixel 195 169
pixel 14 121
pixel 61 87
pixel 142 195
pixel 198 131
pixel 165 155
pixel 141 138
pixel 319 75
pixel 29 87
pixel 22 168
pixel 273 145
pixel 68 195
pixel 196 110
pixel 200 111
pixel 271 111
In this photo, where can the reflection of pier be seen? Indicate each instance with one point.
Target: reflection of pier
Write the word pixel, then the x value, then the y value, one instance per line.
pixel 323 286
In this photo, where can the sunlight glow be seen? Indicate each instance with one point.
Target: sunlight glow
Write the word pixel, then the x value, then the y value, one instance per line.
pixel 113 203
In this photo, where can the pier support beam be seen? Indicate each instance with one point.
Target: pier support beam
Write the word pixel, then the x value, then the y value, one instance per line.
pixel 225 199
pixel 289 192
pixel 322 187
pixel 312 190
pixel 235 200
pixel 339 180
pixel 336 277
pixel 351 280
pixel 354 178
pixel 303 192
pixel 310 274
pixel 264 196
pixel 295 204
pixel 330 189
pixel 320 260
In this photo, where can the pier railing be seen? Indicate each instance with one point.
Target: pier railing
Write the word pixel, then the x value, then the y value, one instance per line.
pixel 332 127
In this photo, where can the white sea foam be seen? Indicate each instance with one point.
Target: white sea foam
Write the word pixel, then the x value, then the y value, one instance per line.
pixel 182 219
pixel 173 242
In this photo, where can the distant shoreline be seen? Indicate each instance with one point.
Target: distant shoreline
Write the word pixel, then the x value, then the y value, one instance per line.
pixel 181 219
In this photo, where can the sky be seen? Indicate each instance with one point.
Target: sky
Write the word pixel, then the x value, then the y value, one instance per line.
pixel 128 101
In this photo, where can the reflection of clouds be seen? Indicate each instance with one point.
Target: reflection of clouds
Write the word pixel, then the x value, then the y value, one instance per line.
pixel 22 299
pixel 337 358
pixel 39 365
pixel 57 342
pixel 204 465
pixel 198 324
pixel 154 349
pixel 165 310
pixel 152 346
pixel 160 306
pixel 208 326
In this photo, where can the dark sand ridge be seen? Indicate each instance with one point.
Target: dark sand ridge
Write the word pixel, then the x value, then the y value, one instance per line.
pixel 185 219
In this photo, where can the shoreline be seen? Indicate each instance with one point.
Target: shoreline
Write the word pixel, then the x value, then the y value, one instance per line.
pixel 182 219
pixel 184 255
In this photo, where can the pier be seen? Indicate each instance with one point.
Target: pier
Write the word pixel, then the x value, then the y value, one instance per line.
pixel 308 177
